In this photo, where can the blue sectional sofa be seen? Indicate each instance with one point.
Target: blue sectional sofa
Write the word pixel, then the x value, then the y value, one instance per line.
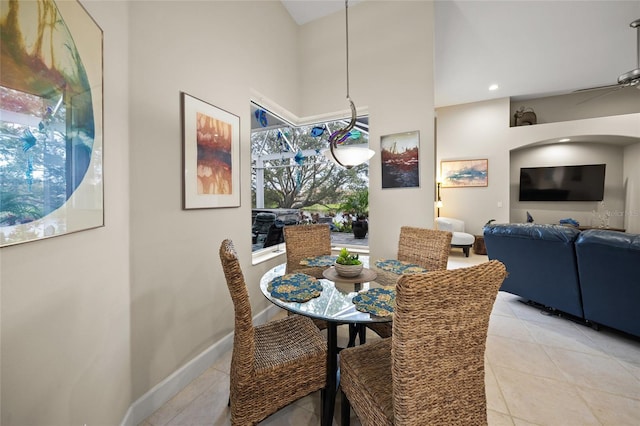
pixel 592 275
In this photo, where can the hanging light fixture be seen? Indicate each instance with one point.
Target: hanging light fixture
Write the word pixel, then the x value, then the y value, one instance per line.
pixel 347 156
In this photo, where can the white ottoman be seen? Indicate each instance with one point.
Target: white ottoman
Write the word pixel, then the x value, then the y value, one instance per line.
pixel 460 238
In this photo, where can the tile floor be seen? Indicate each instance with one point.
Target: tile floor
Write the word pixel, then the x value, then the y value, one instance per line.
pixel 540 370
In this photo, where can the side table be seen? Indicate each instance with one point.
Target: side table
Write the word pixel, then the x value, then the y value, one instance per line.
pixel 478 245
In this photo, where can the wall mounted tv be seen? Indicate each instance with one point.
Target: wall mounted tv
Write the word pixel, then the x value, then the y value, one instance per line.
pixel 562 183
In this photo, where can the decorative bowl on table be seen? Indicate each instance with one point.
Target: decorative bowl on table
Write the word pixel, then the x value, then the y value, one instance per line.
pixel 348 271
pixel 347 264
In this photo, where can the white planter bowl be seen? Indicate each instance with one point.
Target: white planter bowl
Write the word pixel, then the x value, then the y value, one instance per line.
pixel 348 271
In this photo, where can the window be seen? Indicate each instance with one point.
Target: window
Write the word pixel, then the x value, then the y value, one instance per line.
pixel 293 180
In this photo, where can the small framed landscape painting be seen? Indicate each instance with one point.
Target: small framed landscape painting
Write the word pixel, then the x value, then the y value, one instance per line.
pixel 399 157
pixel 211 155
pixel 463 173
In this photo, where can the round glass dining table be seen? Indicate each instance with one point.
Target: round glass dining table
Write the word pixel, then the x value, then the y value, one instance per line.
pixel 335 306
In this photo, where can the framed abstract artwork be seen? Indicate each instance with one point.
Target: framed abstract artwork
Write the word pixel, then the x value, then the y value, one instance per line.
pixel 462 173
pixel 399 157
pixel 51 121
pixel 211 152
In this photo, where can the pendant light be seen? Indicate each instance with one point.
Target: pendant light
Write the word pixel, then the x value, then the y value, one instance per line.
pixel 347 156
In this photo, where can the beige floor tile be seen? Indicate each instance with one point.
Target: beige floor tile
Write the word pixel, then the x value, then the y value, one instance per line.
pixel 563 334
pixel 211 378
pixel 543 401
pixel 615 344
pixel 502 306
pixel 291 415
pixel 210 407
pixel 495 418
pixel 520 422
pixel 510 327
pixel 632 367
pixel 612 409
pixel 523 356
pixel 224 362
pixel 495 400
pixel 596 372
pixel 533 313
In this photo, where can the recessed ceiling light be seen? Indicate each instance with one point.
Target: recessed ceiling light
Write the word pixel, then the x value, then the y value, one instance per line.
pixel 494 87
pixel 564 140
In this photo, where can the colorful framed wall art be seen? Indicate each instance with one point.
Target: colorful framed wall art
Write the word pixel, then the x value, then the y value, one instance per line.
pixel 51 121
pixel 399 158
pixel 211 153
pixel 463 173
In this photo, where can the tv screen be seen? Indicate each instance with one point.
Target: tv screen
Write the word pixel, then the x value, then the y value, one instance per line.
pixel 562 183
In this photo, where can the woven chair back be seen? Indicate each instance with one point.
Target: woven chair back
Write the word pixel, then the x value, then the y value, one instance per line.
pixel 440 327
pixel 428 248
pixel 306 241
pixel 244 333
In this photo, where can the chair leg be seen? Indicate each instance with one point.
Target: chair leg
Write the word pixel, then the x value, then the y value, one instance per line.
pixel 345 410
pixel 466 251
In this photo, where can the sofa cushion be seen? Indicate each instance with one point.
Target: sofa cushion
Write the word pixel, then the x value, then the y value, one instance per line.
pixel 541 263
pixel 609 278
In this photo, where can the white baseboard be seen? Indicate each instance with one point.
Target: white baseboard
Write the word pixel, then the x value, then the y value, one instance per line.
pixel 148 403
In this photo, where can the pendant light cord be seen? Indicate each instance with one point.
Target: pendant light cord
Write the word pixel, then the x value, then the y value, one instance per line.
pixel 346 15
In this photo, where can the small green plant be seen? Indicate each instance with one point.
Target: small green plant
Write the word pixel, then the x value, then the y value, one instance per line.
pixel 346 258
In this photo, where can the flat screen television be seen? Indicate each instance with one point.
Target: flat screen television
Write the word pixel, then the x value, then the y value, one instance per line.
pixel 562 183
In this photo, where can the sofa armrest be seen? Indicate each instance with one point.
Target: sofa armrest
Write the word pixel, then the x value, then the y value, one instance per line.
pixel 449 224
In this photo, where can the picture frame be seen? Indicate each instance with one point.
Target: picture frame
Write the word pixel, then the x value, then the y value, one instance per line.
pixel 399 158
pixel 211 154
pixel 51 182
pixel 464 173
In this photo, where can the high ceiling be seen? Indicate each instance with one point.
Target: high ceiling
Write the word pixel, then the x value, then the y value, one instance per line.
pixel 529 48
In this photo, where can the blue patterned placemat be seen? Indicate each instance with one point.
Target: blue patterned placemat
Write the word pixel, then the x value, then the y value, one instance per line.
pixel 324 260
pixel 399 267
pixel 295 287
pixel 376 301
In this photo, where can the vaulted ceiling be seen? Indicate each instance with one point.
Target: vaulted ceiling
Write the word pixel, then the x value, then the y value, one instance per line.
pixel 528 48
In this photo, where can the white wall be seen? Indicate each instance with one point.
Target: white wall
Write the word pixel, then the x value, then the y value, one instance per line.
pixel 217 52
pixel 65 301
pixel 476 131
pixel 631 181
pixel 391 75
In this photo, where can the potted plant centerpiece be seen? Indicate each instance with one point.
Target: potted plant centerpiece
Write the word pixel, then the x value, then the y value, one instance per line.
pixel 347 264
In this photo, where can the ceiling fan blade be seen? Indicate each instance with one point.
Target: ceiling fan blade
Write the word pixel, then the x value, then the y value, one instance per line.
pixel 614 89
pixel 590 89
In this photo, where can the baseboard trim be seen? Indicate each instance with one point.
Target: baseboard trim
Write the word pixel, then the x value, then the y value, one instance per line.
pixel 148 403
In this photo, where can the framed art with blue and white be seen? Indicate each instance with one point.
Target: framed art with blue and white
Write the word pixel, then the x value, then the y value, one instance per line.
pixel 51 121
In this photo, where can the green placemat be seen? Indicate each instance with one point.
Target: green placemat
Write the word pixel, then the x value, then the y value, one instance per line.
pixel 376 301
pixel 399 267
pixel 324 260
pixel 295 287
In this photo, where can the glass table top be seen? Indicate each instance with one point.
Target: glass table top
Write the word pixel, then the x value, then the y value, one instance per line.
pixel 333 304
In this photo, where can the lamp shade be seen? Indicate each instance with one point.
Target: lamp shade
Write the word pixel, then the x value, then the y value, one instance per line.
pixel 350 156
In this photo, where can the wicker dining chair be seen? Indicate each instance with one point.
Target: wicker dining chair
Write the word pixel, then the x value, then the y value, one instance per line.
pixel 431 371
pixel 428 248
pixel 306 241
pixel 272 364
